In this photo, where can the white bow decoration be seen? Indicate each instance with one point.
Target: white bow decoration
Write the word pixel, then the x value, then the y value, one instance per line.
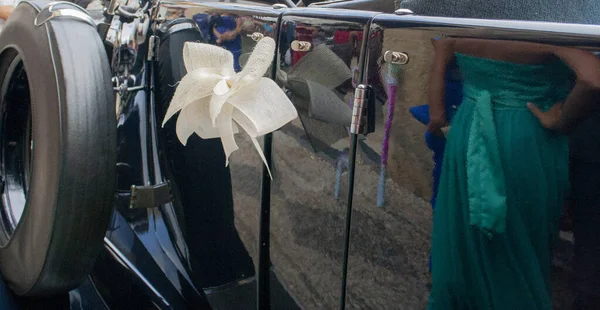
pixel 214 100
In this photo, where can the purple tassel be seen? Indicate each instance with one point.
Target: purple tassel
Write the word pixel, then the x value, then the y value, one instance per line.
pixel 392 86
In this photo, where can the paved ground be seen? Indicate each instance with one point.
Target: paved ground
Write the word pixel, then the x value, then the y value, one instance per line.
pixel 390 246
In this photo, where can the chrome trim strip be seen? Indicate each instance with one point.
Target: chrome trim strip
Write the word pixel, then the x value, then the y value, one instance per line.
pixel 117 254
pixel 93 284
pixel 229 285
pixel 76 12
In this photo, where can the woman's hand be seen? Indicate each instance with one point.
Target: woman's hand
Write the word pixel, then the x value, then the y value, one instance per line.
pixel 436 123
pixel 550 119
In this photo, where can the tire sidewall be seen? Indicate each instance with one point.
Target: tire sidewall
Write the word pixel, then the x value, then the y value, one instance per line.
pixel 73 170
pixel 26 249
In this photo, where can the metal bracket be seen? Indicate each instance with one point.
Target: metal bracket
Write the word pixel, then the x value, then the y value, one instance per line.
pixel 150 196
pixel 112 35
pixel 142 29
pixel 153 44
pixel 49 12
pixel 111 8
pixel 121 84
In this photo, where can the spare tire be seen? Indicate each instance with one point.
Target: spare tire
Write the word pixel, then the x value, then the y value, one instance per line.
pixel 57 151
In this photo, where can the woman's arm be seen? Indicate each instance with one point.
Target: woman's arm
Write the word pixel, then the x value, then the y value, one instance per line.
pixel 216 34
pixel 581 102
pixel 444 53
pixel 583 99
pixel 238 28
pixel 232 34
pixel 585 64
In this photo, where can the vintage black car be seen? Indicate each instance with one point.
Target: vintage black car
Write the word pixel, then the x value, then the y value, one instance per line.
pixel 104 208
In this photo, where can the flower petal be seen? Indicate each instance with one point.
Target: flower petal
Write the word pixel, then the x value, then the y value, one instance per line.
pixel 184 127
pixel 216 105
pixel 262 108
pixel 194 118
pixel 225 125
pixel 206 56
pixel 221 88
pixel 197 113
pixel 194 86
pixel 262 155
pixel 258 62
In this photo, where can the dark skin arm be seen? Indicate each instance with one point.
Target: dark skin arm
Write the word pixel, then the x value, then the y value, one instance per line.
pixel 229 35
pixel 444 53
pixel 583 99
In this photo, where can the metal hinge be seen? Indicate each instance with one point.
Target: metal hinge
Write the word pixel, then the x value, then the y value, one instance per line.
pixel 153 44
pixel 360 94
pixel 363 110
pixel 150 196
pixel 112 35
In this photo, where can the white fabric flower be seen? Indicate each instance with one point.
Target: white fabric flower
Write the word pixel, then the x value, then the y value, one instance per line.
pixel 214 100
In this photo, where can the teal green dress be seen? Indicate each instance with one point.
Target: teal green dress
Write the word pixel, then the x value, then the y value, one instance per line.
pixel 501 190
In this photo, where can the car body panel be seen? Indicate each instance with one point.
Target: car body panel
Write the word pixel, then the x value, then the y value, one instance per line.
pixel 290 232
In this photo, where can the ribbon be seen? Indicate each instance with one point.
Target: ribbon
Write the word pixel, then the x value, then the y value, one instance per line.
pixel 485 177
pixel 213 100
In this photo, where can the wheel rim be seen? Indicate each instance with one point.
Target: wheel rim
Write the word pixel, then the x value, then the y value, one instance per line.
pixel 16 144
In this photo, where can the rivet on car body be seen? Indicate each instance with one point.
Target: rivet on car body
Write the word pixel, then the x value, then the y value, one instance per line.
pixel 301 46
pixel 397 58
pixel 403 12
pixel 256 36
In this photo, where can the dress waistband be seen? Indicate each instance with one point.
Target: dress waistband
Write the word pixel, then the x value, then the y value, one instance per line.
pixel 499 100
